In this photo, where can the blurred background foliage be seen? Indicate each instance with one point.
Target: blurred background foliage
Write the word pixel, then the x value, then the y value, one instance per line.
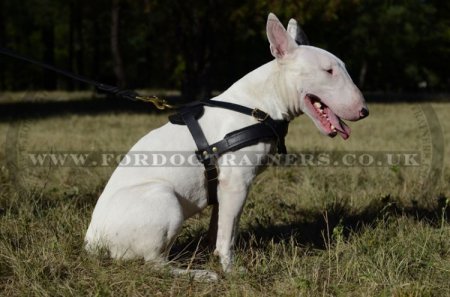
pixel 203 45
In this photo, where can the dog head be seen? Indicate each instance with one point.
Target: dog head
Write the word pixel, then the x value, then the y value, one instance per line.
pixel 323 88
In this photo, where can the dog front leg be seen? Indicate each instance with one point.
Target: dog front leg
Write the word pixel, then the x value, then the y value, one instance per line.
pixel 231 203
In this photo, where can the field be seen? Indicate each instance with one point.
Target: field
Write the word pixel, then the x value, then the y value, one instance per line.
pixel 305 230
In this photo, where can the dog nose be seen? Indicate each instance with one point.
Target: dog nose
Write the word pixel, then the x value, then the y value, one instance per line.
pixel 364 112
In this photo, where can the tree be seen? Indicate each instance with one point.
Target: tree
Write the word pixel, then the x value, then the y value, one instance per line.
pixel 115 48
pixel 48 41
pixel 2 43
pixel 75 57
pixel 203 45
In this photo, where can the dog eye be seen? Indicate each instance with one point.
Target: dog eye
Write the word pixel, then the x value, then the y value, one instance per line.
pixel 330 71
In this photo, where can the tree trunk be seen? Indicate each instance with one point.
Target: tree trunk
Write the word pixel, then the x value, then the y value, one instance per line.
pixel 362 74
pixel 2 42
pixel 115 49
pixel 70 58
pixel 96 53
pixel 79 44
pixel 195 41
pixel 48 38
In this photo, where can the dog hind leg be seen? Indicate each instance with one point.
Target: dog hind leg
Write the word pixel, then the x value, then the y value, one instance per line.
pixel 137 222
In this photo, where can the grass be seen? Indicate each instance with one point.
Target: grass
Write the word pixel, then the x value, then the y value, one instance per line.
pixel 305 231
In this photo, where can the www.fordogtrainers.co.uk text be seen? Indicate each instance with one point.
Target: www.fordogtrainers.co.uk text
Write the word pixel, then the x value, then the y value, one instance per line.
pixel 185 159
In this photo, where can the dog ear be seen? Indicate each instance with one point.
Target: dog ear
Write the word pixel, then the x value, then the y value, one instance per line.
pixel 297 33
pixel 281 43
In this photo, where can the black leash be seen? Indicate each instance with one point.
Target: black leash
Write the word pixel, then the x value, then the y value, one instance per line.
pixel 116 91
pixel 267 129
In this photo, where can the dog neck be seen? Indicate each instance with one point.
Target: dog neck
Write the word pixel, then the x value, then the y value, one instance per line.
pixel 267 89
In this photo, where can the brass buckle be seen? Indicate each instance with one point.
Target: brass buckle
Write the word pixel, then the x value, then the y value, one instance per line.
pixel 259 115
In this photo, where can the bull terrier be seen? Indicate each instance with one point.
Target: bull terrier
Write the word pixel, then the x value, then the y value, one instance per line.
pixel 142 209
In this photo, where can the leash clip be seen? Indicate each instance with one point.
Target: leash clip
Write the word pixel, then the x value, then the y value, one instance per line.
pixel 160 104
pixel 259 115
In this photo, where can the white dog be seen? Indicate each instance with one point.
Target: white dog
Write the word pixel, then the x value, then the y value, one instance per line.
pixel 142 209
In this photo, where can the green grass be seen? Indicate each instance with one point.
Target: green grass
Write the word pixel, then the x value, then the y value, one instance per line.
pixel 305 231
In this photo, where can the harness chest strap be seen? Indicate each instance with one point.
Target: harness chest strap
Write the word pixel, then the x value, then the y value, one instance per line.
pixel 267 129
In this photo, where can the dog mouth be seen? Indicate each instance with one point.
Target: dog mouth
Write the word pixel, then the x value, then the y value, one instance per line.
pixel 325 119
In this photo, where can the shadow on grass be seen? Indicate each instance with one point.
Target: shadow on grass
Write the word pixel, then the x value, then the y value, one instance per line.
pixel 317 228
pixel 313 231
pixel 42 109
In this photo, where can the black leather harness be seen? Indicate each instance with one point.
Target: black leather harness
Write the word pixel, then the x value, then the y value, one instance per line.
pixel 267 129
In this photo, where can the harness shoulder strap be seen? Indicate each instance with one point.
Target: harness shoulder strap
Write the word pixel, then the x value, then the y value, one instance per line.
pixel 211 171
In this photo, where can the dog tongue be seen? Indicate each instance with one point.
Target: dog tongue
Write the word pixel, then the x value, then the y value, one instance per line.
pixel 341 127
pixel 345 132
